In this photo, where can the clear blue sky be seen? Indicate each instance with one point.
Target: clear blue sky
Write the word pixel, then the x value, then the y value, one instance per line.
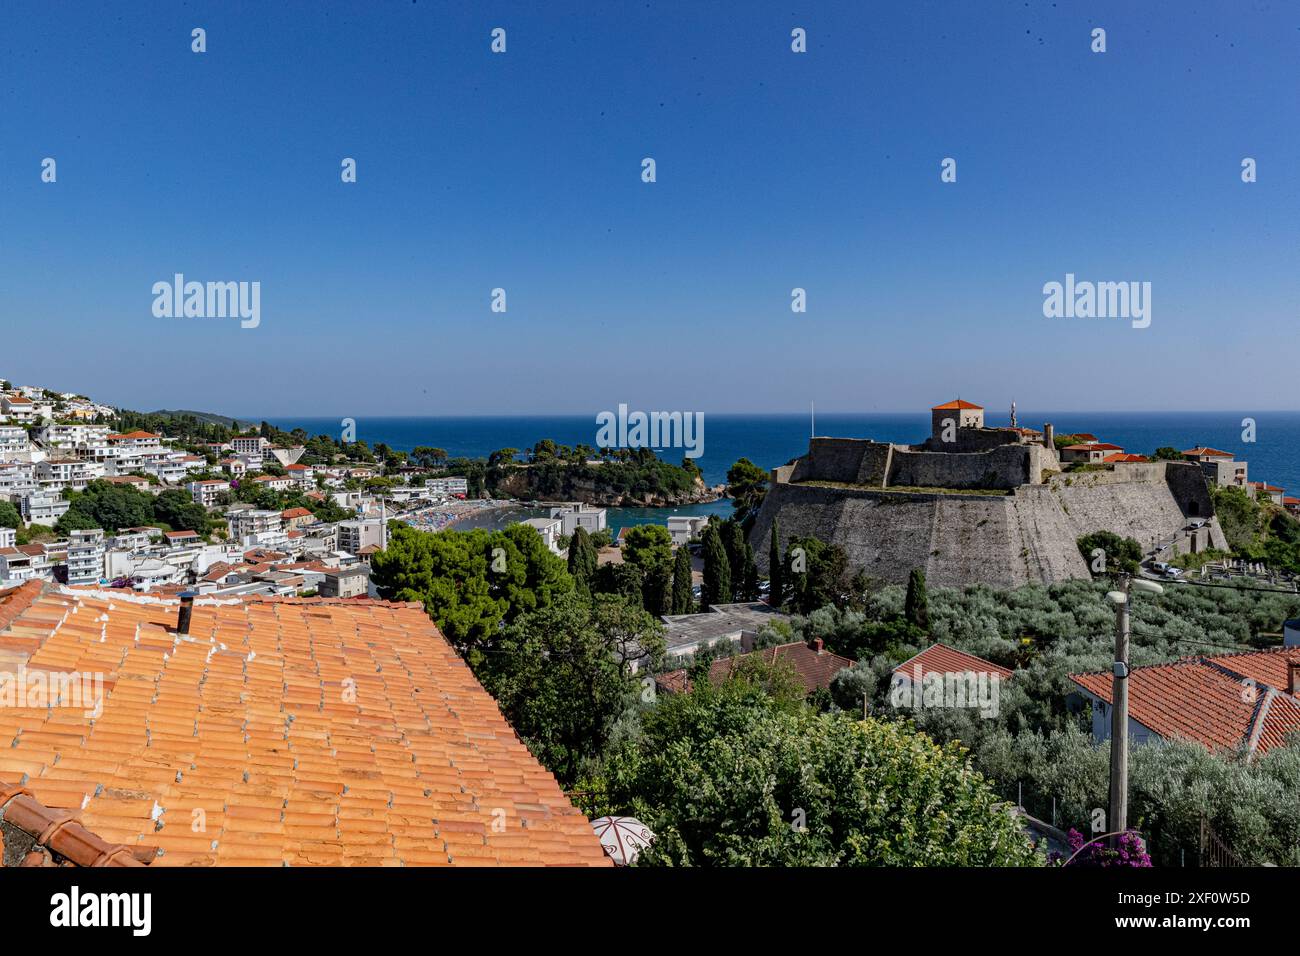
pixel 775 170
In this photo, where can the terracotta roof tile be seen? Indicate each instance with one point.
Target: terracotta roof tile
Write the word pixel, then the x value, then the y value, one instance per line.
pixel 942 659
pixel 1227 700
pixel 306 732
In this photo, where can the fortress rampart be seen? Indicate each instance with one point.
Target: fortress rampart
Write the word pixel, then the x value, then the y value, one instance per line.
pixel 841 492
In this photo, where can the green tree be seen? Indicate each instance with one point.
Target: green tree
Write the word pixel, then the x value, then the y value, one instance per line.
pixel 683 598
pixel 582 560
pixel 1166 453
pixel 470 581
pixel 180 512
pixel 823 578
pixel 747 485
pixel 649 548
pixel 717 569
pixel 775 569
pixel 562 675
pixel 9 516
pixel 726 775
pixel 1121 554
pixel 917 609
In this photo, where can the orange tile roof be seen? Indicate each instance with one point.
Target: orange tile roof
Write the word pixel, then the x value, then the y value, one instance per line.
pixel 942 659
pixel 956 404
pixel 1201 451
pixel 1121 457
pixel 135 434
pixel 1211 699
pixel 295 513
pixel 279 731
pixel 53 838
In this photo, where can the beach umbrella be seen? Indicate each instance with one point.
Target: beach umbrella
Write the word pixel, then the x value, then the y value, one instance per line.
pixel 622 837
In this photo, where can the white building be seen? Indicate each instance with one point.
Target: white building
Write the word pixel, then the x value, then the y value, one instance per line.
pixel 549 529
pixel 252 521
pixel 685 527
pixel 206 493
pixel 43 509
pixel 449 487
pixel 13 443
pixel 18 408
pixel 250 446
pixel 59 473
pixel 573 517
pixel 86 557
pixel 361 533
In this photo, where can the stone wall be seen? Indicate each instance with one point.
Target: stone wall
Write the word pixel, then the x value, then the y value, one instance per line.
pixel 1006 466
pixel 1002 540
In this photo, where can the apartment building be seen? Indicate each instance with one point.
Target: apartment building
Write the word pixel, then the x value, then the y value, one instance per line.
pixel 74 473
pixel 360 533
pixel 252 521
pixel 43 508
pixel 13 442
pixel 207 493
pixel 250 446
pixel 450 487
pixel 85 557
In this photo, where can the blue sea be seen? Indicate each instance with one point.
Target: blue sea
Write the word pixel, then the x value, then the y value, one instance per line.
pixel 771 440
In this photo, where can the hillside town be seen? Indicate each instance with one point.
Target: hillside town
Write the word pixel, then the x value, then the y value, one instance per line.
pixel 158 533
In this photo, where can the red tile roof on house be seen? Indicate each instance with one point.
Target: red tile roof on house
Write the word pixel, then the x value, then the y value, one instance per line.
pixel 295 513
pixel 1261 486
pixel 1227 700
pixel 39 836
pixel 956 404
pixel 279 731
pixel 814 667
pixel 133 435
pixel 1121 457
pixel 1084 436
pixel 181 534
pixel 942 659
pixel 1202 451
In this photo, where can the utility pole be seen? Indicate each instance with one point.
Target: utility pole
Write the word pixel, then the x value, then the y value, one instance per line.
pixel 1118 818
pixel 1117 821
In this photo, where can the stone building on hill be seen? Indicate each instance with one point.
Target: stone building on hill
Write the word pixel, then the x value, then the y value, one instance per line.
pixel 973 504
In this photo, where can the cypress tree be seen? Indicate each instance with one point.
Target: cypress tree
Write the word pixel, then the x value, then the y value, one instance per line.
pixel 735 542
pixel 682 581
pixel 582 560
pixel 717 570
pixel 750 587
pixel 776 596
pixel 916 609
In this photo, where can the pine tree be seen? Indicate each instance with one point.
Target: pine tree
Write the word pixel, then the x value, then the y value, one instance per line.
pixel 776 595
pixel 582 560
pixel 916 610
pixel 682 596
pixel 717 569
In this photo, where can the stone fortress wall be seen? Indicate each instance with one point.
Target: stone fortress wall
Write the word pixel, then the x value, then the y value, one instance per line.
pixel 840 493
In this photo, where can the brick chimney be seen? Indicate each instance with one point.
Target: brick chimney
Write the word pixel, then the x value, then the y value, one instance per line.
pixel 1293 677
pixel 817 644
